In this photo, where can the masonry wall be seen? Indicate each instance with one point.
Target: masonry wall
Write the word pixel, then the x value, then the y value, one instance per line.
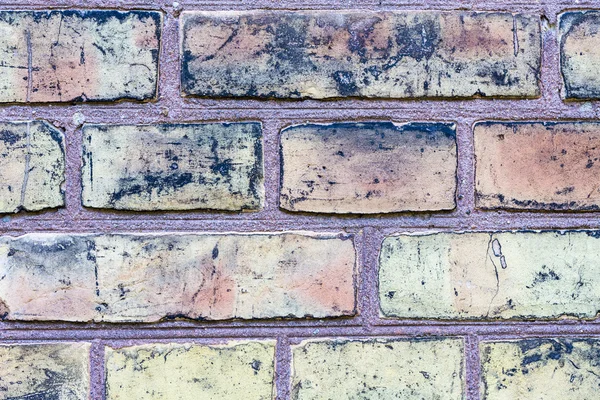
pixel 299 200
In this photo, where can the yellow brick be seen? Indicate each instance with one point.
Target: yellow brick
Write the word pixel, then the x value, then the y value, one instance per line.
pixel 533 369
pixel 233 371
pixel 378 369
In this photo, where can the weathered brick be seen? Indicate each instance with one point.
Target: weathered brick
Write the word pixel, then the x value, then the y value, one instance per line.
pixel 237 370
pixel 372 167
pixel 72 55
pixel 538 165
pixel 173 167
pixel 329 54
pixel 32 166
pixel 579 54
pixel 533 369
pixel 123 277
pixel 378 369
pixel 45 371
pixel 483 275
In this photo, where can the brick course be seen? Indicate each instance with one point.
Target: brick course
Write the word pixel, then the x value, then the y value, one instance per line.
pixel 421 181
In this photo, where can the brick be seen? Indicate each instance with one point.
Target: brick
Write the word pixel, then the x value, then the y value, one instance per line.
pixel 534 369
pixel 333 54
pixel 483 275
pixel 71 55
pixel 579 54
pixel 32 166
pixel 236 370
pixel 372 167
pixel 173 167
pixel 45 371
pixel 537 165
pixel 378 369
pixel 146 278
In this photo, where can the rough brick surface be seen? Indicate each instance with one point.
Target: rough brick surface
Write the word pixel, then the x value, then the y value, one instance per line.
pixel 534 165
pixel 119 278
pixel 32 166
pixel 329 54
pixel 580 54
pixel 60 56
pixel 173 167
pixel 237 370
pixel 534 369
pixel 378 369
pixel 45 371
pixel 523 275
pixel 372 167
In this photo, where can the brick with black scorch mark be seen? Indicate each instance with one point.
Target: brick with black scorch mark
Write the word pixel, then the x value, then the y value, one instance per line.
pixel 147 278
pixel 338 54
pixel 369 167
pixel 579 57
pixel 44 371
pixel 32 166
pixel 77 55
pixel 540 368
pixel 214 166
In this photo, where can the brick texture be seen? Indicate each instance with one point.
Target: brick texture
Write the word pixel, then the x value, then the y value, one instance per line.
pixel 71 55
pixel 579 54
pixel 32 166
pixel 378 369
pixel 45 371
pixel 496 275
pixel 368 167
pixel 238 370
pixel 330 54
pixel 299 200
pixel 173 167
pixel 531 369
pixel 120 278
pixel 541 166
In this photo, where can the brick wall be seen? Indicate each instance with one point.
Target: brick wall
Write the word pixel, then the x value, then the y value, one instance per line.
pixel 299 200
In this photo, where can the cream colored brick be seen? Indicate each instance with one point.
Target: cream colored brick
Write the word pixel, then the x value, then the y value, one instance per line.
pixel 359 53
pixel 32 166
pixel 371 167
pixel 580 54
pixel 145 278
pixel 499 275
pixel 73 55
pixel 173 167
pixel 45 371
pixel 533 369
pixel 237 370
pixel 378 369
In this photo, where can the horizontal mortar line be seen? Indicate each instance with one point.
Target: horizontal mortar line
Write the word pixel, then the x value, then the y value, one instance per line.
pixel 307 332
pixel 302 221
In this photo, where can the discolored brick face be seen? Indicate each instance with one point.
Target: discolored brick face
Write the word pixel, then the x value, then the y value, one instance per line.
pixel 535 165
pixel 378 369
pixel 45 371
pixel 32 166
pixel 173 167
pixel 580 54
pixel 490 275
pixel 146 278
pixel 532 369
pixel 72 55
pixel 236 370
pixel 334 54
pixel 371 167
